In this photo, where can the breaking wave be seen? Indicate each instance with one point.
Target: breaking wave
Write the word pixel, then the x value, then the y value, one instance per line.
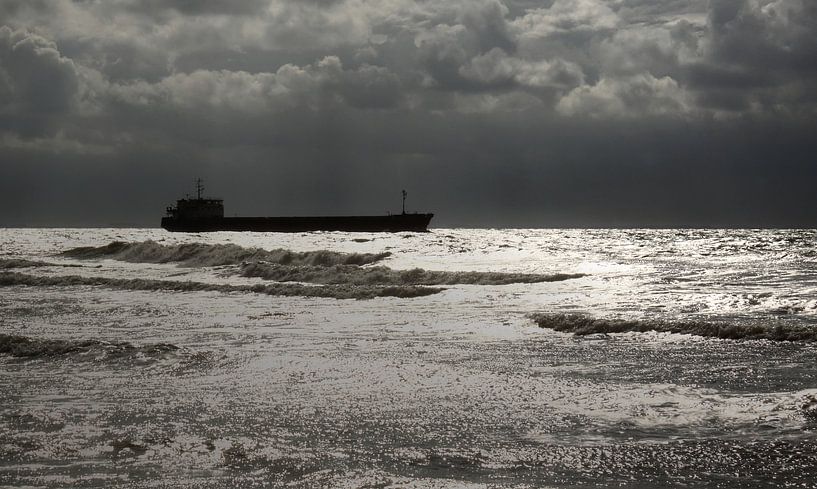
pixel 292 290
pixel 314 267
pixel 25 347
pixel 380 275
pixel 204 255
pixel 580 324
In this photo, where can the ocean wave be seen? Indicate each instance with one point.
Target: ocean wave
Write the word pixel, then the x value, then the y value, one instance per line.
pixel 9 263
pixel 292 290
pixel 25 347
pixel 580 324
pixel 380 275
pixel 205 255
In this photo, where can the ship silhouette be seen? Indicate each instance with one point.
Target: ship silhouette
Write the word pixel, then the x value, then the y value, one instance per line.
pixel 202 214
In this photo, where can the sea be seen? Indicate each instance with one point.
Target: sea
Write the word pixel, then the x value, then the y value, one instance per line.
pixel 473 358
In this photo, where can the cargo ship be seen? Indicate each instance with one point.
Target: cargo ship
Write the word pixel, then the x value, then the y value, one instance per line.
pixel 202 214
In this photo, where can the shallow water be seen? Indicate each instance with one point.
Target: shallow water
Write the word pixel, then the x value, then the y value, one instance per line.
pixel 209 383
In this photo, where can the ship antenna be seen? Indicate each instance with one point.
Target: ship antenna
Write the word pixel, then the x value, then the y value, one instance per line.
pixel 404 201
pixel 199 188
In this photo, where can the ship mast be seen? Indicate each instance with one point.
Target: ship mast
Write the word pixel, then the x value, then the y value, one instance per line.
pixel 199 188
pixel 404 201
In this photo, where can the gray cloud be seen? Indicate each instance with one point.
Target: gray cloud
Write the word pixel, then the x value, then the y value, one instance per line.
pixel 195 7
pixel 634 96
pixel 497 68
pixel 36 79
pixel 317 86
pixel 564 112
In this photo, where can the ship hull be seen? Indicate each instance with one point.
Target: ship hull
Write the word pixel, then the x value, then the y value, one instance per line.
pixel 391 223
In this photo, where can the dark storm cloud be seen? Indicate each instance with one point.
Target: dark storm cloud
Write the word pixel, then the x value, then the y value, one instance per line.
pixel 563 112
pixel 160 9
pixel 198 7
pixel 764 50
pixel 35 78
pixel 38 86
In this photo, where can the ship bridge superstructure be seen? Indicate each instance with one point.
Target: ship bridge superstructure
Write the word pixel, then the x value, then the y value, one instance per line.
pixel 198 208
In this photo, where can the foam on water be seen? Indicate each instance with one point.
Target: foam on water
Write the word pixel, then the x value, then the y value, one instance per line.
pixel 207 255
pixel 272 386
pixel 350 274
pixel 318 267
pixel 8 279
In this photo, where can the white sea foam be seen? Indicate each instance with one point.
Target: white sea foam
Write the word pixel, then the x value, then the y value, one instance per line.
pixel 204 255
pixel 455 388
pixel 330 291
pixel 319 267
pixel 380 275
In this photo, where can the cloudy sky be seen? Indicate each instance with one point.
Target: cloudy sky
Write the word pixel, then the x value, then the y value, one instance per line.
pixel 517 113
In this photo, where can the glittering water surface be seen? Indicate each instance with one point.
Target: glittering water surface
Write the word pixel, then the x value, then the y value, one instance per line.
pixel 171 360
